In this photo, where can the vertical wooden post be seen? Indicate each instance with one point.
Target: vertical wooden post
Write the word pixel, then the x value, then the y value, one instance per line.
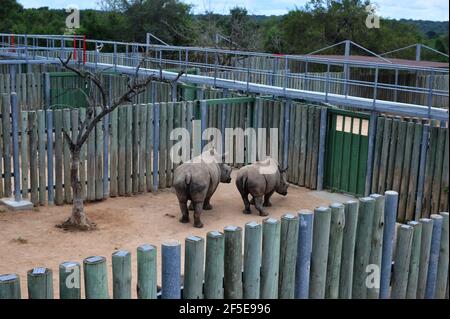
pixel 335 250
pixel 422 168
pixel 442 271
pixel 430 289
pixel 304 250
pixel 171 270
pixel 402 261
pixel 376 243
pixel 49 116
pixel 155 145
pixel 194 259
pixel 146 272
pixel 322 137
pixel 6 130
pixel 203 118
pixel 69 280
pixel 233 263
pixel 288 252
pixel 121 269
pixel 319 256
pixel 413 278
pixel 363 245
pixel 270 259
pixel 370 153
pixel 390 217
pixel 348 249
pixel 425 248
pixel 214 266
pixel 95 278
pixel 287 123
pixel 106 152
pixel 40 283
pixel 252 261
pixel 10 287
pixel 15 142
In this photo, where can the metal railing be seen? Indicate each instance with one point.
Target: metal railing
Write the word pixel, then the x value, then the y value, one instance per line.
pixel 282 75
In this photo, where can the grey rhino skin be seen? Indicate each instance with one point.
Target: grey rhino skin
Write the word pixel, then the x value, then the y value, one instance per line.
pixel 197 180
pixel 251 180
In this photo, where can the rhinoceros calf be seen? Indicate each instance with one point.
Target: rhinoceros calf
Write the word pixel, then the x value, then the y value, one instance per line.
pixel 197 180
pixel 261 180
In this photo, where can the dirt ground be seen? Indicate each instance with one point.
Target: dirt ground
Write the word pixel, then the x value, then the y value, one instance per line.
pixel 30 239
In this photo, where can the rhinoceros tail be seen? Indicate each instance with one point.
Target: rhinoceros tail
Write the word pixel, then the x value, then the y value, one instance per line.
pixel 188 178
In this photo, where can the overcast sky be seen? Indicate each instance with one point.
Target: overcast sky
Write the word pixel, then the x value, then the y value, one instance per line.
pixel 436 10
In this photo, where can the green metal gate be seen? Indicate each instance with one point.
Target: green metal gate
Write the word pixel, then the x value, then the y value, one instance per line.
pixel 67 90
pixel 347 151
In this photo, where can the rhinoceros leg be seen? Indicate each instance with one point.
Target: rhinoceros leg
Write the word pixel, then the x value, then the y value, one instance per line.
pixel 184 212
pixel 252 201
pixel 267 202
pixel 198 209
pixel 259 205
pixel 191 206
pixel 246 203
pixel 206 204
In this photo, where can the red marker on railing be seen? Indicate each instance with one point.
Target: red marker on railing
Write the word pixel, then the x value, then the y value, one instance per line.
pixel 12 42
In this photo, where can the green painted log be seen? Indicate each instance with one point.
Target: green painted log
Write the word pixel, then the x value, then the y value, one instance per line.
pixel 142 143
pixel 129 150
pixel 348 249
pixel 90 150
pixel 122 115
pixel 40 283
pixel 69 280
pixel 402 261
pixel 148 149
pixel 41 155
pixel 377 242
pixel 288 256
pixel 7 155
pixel 442 272
pixel 194 259
pixel 233 263
pixel 214 266
pixel 98 157
pixel 34 182
pixel 10 287
pixel 362 248
pixel 413 278
pixel 24 153
pixel 121 271
pixel 252 261
pixel 425 249
pixel 270 260
pixel 163 146
pixel 66 157
pixel 335 250
pixel 95 278
pixel 82 166
pixel 319 257
pixel 146 272
pixel 437 178
pixel 135 150
pixel 169 163
pixel 113 188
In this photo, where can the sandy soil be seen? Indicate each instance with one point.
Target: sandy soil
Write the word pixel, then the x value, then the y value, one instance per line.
pixel 30 239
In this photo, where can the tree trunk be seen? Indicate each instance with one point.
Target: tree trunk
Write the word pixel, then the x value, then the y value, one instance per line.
pixel 78 220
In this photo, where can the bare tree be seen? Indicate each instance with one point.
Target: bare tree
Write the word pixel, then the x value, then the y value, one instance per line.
pixel 78 219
